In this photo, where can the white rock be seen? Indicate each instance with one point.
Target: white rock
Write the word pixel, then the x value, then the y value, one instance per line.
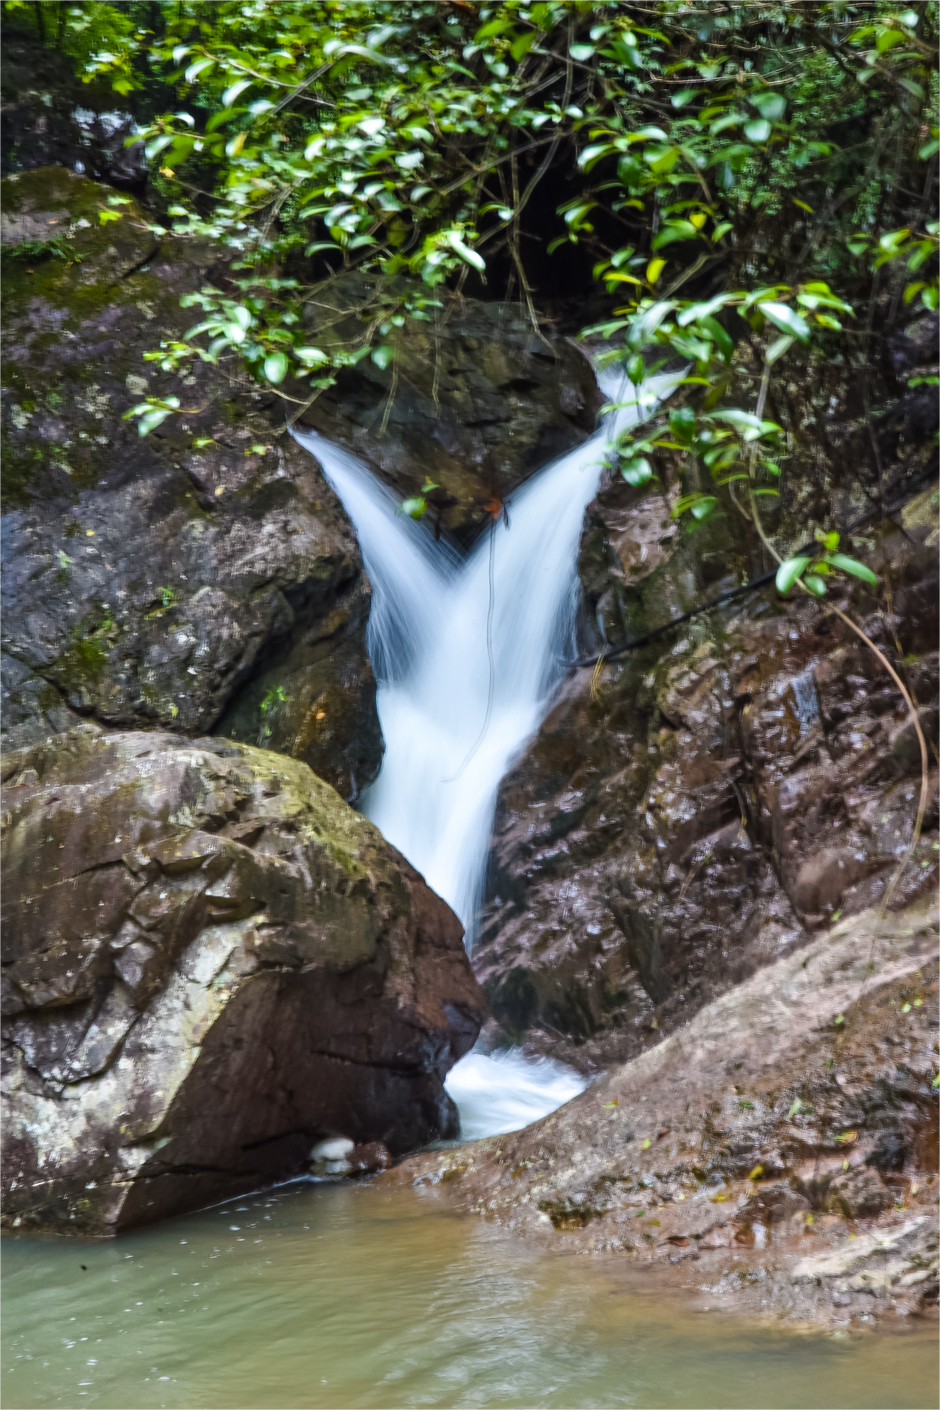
pixel 337 1148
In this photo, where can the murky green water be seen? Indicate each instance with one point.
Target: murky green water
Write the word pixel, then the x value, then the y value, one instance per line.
pixel 334 1296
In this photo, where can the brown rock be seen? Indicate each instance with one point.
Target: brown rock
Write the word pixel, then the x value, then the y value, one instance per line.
pixel 475 401
pixel 210 964
pixel 711 800
pixel 723 1146
pixel 367 1159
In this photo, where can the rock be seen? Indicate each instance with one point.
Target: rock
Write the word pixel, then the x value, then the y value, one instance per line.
pixel 51 118
pixel 711 800
pixel 905 1254
pixel 367 1159
pixel 332 1157
pixel 211 964
pixel 859 1193
pixel 475 401
pixel 203 578
pixel 723 1146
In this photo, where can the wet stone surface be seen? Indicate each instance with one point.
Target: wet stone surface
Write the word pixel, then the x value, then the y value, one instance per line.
pixel 210 964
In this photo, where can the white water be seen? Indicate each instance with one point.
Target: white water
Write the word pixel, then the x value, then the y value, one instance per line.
pixel 435 795
pixel 463 684
pixel 507 1090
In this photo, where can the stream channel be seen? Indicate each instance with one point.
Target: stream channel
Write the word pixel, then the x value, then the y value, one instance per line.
pixel 350 1294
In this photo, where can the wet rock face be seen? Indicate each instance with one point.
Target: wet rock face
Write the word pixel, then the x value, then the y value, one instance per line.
pixel 781 1148
pixel 202 578
pixel 211 964
pixel 711 801
pixel 475 401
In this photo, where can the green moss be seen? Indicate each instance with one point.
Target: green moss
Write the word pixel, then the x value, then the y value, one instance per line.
pixel 83 665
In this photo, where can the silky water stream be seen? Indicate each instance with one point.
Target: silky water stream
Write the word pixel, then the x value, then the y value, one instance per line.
pixel 320 1295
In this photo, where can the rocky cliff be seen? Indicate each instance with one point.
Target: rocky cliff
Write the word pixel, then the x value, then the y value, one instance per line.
pixel 211 964
pixel 706 803
pixel 202 577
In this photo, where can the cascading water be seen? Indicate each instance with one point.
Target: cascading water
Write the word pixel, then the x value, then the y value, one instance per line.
pixel 467 652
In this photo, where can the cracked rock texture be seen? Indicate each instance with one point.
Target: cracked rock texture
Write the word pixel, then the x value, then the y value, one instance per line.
pixel 779 1150
pixel 211 964
pixel 712 800
pixel 203 578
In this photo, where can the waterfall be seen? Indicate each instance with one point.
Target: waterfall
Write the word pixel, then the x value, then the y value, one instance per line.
pixel 468 650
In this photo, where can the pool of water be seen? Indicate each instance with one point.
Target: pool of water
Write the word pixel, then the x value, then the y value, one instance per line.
pixel 322 1295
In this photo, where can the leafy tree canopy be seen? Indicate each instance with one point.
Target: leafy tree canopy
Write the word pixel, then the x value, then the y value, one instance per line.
pixel 739 168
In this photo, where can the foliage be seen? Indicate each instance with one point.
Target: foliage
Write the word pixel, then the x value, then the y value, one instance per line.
pixel 56 248
pixel 272 697
pixel 749 176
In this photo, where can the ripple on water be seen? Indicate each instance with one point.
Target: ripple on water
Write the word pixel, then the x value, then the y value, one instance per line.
pixel 358 1296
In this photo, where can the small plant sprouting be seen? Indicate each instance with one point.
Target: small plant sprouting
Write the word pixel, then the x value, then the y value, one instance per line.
pixel 275 695
pixel 56 248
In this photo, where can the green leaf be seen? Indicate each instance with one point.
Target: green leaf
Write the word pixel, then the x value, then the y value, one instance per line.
pixel 778 348
pixel 197 68
pixel 154 148
pixel 682 424
pixel 815 584
pixel 723 341
pixel 787 574
pixel 637 470
pixel 794 1110
pixel 311 357
pixel 151 420
pixel 703 507
pixel 415 508
pixel 275 367
pixel 645 325
pixel 593 154
pixel 757 130
pixel 521 46
pixel 786 319
pixel 636 369
pixel 464 251
pixel 852 565
pixel 231 93
pixel 383 356
pixel 769 105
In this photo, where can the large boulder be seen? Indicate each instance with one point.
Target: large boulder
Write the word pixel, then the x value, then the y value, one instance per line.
pixel 203 577
pixel 475 400
pixel 211 964
pixel 781 1148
